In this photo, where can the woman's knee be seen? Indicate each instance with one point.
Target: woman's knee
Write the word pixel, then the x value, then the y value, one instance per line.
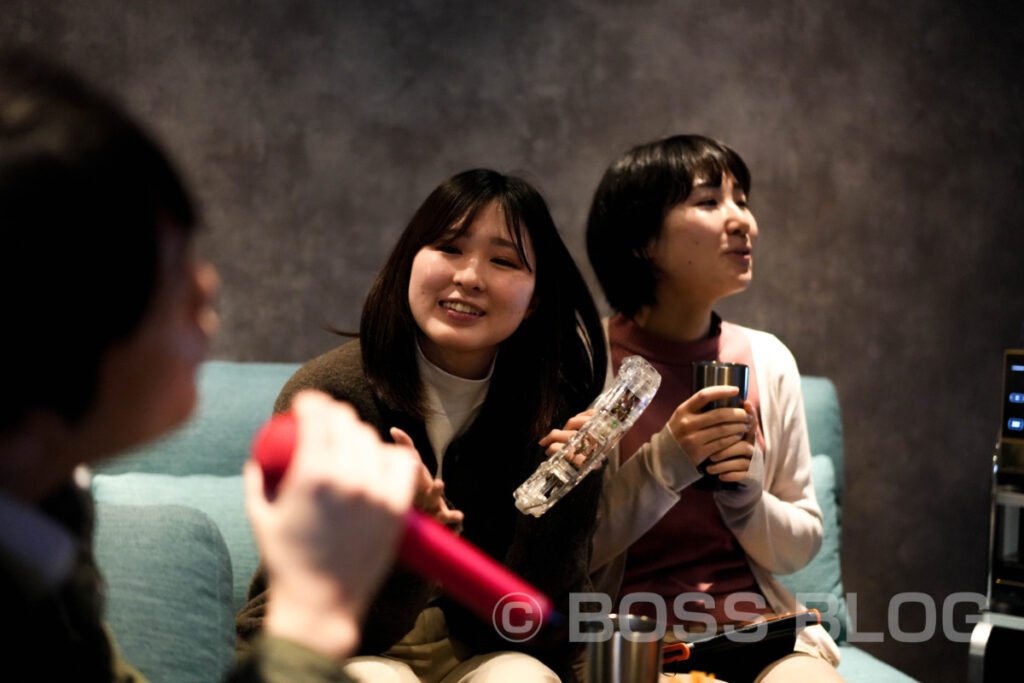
pixel 502 667
pixel 379 670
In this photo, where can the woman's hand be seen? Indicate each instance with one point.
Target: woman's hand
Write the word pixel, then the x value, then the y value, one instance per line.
pixel 724 437
pixel 732 464
pixel 430 491
pixel 331 531
pixel 557 438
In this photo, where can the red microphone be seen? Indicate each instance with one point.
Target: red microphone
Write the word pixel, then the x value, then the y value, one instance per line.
pixel 430 549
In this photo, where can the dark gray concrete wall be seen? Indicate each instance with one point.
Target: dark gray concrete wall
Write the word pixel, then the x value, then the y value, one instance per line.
pixel 885 141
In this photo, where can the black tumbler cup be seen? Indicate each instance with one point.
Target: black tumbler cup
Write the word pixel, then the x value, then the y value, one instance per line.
pixel 713 373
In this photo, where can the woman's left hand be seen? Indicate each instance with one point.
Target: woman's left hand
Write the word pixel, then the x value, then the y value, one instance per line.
pixel 732 464
pixel 557 438
pixel 430 491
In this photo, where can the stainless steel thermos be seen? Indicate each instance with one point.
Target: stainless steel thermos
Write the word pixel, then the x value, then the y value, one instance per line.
pixel 712 373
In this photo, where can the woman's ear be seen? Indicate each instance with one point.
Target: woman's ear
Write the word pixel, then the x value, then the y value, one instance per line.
pixel 647 251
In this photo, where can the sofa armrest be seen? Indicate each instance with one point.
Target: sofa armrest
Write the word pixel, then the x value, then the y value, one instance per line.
pixel 168 599
pixel 221 498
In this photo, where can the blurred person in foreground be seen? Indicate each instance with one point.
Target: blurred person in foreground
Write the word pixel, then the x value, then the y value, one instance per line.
pixel 108 317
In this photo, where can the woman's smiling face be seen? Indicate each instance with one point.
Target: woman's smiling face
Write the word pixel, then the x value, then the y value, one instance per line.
pixel 469 292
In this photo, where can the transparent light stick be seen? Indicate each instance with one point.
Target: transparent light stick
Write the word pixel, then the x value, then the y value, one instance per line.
pixel 614 413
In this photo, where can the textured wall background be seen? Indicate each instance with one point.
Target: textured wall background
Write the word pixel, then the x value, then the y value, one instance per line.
pixel 885 143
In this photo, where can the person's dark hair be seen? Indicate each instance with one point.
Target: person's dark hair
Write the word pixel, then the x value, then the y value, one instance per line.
pixel 630 205
pixel 554 361
pixel 84 196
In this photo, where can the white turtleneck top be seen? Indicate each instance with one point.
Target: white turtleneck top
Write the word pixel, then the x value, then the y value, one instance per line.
pixel 452 403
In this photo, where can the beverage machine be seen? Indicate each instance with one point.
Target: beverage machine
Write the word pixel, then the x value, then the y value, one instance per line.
pixel 997 642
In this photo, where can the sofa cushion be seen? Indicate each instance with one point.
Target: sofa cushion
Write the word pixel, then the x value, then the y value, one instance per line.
pixel 824 423
pixel 820 584
pixel 858 666
pixel 168 601
pixel 222 498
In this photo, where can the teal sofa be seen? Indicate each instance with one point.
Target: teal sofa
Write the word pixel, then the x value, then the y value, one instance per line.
pixel 175 547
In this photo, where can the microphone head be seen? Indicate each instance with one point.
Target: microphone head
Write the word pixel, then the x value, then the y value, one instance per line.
pixel 272 448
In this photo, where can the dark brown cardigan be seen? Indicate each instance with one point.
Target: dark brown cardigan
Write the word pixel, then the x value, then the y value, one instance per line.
pixel 482 467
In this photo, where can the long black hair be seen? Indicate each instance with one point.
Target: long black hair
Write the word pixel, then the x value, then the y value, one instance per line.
pixel 554 362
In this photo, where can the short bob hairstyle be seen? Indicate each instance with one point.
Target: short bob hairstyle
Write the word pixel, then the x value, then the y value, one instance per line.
pixel 630 205
pixel 556 356
pixel 85 195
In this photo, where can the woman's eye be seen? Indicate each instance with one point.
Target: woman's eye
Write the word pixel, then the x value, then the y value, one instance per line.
pixel 505 262
pixel 447 248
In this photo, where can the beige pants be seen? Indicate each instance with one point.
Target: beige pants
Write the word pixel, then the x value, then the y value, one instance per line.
pixel 426 654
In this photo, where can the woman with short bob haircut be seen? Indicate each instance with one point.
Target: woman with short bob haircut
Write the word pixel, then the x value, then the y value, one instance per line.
pixel 478 341
pixel 704 502
pixel 637 192
pixel 104 358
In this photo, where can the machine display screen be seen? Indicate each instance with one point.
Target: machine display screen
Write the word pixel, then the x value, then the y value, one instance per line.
pixel 1013 396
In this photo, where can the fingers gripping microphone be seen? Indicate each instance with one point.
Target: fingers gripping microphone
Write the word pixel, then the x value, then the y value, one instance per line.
pixel 428 548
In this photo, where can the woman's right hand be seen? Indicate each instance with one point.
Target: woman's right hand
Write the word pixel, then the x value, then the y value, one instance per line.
pixel 331 530
pixel 719 431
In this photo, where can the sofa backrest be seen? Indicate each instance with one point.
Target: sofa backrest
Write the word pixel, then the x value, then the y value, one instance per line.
pixel 824 421
pixel 820 583
pixel 200 464
pixel 234 399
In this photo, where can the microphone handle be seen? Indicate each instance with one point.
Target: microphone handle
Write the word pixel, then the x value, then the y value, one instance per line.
pixel 466 573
